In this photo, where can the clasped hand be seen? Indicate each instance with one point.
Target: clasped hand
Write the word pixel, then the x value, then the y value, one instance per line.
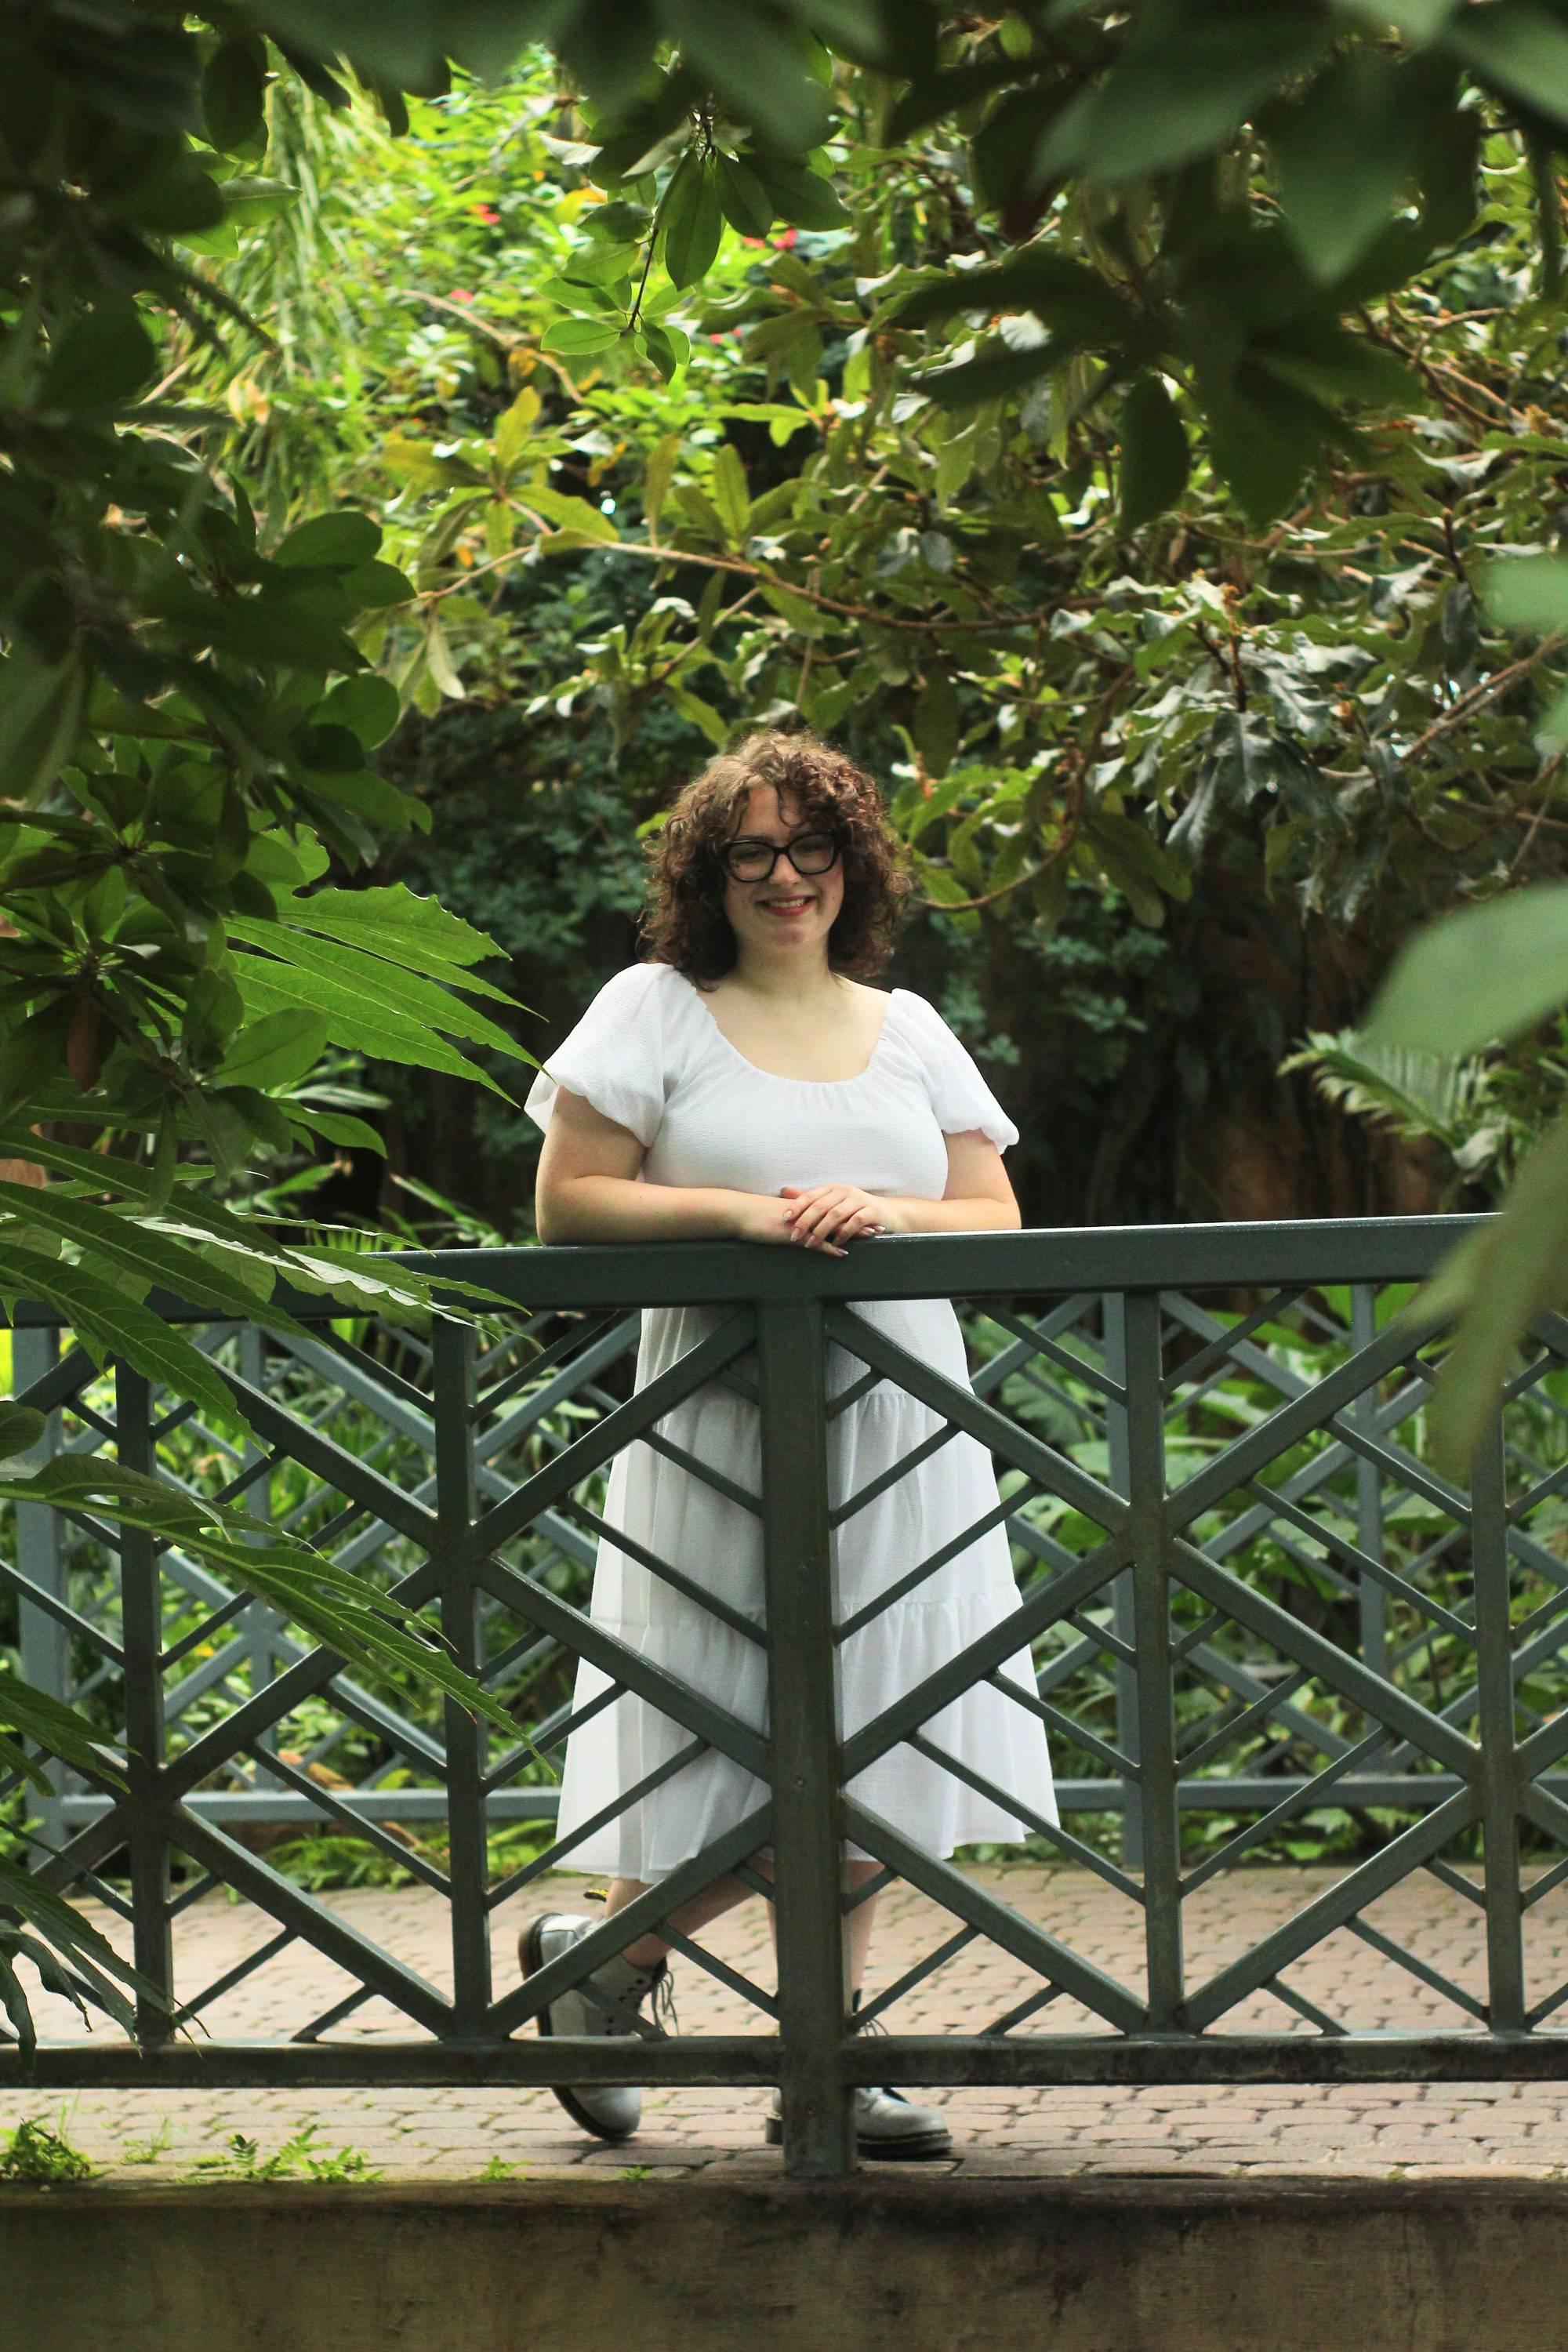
pixel 826 1216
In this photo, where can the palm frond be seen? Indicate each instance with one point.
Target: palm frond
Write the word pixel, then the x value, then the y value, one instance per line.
pixel 1419 1095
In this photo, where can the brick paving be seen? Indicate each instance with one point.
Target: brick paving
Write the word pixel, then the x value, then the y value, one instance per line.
pixel 1381 2131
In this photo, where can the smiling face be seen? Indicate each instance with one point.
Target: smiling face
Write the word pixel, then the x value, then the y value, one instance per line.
pixel 786 913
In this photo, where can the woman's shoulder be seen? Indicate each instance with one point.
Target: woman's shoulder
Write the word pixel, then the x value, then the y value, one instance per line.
pixel 636 986
pixel 911 1012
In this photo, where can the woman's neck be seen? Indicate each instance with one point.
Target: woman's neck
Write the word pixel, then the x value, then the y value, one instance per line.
pixel 784 980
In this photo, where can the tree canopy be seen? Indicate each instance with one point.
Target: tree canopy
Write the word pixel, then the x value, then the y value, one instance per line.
pixel 1106 417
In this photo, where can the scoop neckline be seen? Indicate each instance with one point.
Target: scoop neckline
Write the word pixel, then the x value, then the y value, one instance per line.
pixel 777 1075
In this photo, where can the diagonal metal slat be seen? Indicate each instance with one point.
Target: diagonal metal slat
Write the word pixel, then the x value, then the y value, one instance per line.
pixel 574 1463
pixel 997 1921
pixel 1055 1472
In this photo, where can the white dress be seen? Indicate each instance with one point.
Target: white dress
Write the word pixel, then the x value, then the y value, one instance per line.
pixel 649 1055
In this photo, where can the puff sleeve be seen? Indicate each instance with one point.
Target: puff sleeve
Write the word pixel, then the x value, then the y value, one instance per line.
pixel 958 1095
pixel 614 1057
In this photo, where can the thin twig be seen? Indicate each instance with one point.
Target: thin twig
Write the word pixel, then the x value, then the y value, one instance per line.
pixel 1479 696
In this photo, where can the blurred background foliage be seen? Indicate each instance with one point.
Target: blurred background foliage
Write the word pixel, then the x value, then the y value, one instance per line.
pixel 1176 785
pixel 429 430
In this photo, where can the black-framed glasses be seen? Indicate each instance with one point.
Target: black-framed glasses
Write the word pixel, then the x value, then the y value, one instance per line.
pixel 809 853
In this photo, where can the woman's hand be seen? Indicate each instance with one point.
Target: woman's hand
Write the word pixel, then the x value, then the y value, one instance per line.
pixel 758 1217
pixel 826 1216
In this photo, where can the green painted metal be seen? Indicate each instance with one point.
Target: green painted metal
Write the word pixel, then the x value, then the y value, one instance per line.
pixel 803 1737
pixel 467 1472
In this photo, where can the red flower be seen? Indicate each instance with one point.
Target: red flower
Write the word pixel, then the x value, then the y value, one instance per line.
pixel 485 213
pixel 783 243
pixel 458 294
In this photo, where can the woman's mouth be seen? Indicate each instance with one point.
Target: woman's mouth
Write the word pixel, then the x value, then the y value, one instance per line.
pixel 786 905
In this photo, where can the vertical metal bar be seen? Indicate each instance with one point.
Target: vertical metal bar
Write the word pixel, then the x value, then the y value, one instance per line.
pixel 1124 1615
pixel 141 1586
pixel 819 2134
pixel 262 1621
pixel 452 1367
pixel 1369 1491
pixel 1156 1697
pixel 1497 1771
pixel 43 1641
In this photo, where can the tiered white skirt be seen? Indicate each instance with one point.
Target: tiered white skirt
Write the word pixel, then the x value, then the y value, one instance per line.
pixel 717 1543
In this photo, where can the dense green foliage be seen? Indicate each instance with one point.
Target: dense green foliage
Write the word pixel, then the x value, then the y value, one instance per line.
pixel 1198 777
pixel 1110 446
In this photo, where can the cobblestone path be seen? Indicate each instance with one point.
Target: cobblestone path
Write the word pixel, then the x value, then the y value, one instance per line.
pixel 1384 2131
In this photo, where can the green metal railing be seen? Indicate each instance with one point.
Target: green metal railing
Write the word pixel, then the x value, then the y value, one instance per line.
pixel 1252 1603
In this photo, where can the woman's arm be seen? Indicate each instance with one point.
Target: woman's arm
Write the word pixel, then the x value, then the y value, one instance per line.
pixel 978 1199
pixel 587 1190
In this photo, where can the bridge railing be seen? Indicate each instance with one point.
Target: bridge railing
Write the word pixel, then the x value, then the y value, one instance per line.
pixel 1261 1623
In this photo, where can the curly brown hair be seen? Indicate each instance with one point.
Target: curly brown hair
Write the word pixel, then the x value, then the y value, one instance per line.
pixel 684 923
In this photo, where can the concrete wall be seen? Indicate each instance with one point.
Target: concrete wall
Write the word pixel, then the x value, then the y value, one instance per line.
pixel 927 2265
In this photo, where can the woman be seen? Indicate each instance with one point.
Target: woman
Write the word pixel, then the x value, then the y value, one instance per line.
pixel 748 1084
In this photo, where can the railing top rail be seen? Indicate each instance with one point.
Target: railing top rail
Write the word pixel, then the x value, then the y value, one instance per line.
pixel 1297 1253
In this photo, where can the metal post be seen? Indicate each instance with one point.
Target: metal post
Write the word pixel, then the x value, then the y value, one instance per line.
pixel 262 1621
pixel 820 2134
pixel 1369 1491
pixel 43 1644
pixel 141 1586
pixel 1124 1616
pixel 1498 1766
pixel 1156 1704
pixel 452 1367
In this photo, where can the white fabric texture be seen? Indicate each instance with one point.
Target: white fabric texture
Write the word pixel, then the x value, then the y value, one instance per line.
pixel 649 1055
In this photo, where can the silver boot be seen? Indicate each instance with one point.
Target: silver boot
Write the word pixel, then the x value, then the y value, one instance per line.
pixel 606 2003
pixel 889 2129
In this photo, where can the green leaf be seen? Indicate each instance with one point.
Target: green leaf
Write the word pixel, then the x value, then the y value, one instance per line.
pixel 110 1324
pixel 732 493
pixel 746 204
pixel 1418 20
pixel 936 727
pixel 1502 1277
pixel 995 372
pixel 516 426
pixel 234 91
pixel 371 587
pixel 1154 455
pixel 1265 436
pixel 339 541
pixel 713 724
pixel 251 202
pixel 1186 80
pixel 1070 298
pixel 42 705
pixel 20 1428
pixel 345 1612
pixel 338 1126
pixel 274 1051
pixel 1528 592
pixel 759 63
pixel 396 922
pixel 146 1251
pixel 1488 972
pixel 362 1016
pixel 366 704
pixel 101 360
pixel 693 222
pixel 1518 45
pixel 581 338
pixel 572 514
pixel 800 196
pixel 47 1721
pixel 1343 155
